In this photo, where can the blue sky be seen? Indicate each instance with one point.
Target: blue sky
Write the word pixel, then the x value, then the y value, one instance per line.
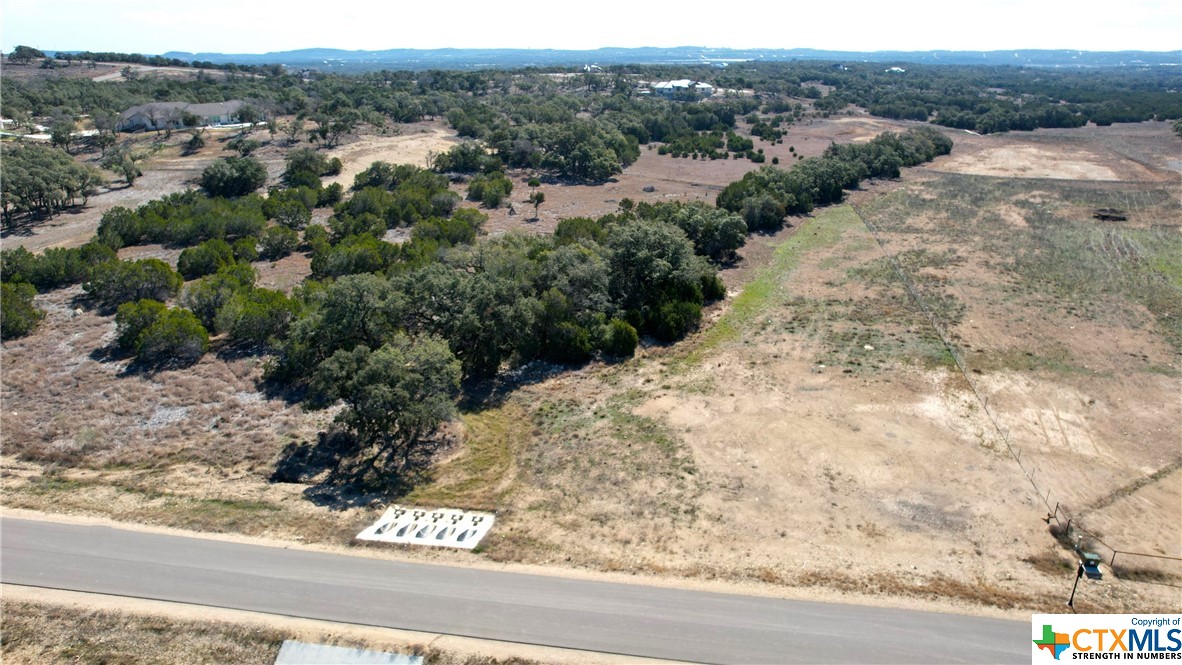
pixel 259 26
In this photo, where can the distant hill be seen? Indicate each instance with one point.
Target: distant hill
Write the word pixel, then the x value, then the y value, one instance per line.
pixel 451 58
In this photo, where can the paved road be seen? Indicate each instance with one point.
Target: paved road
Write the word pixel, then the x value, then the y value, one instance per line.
pixel 553 611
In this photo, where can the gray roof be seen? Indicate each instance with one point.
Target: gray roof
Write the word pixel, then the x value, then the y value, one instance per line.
pixel 163 109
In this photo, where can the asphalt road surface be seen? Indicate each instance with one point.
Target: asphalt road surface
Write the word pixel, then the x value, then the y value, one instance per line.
pixel 553 611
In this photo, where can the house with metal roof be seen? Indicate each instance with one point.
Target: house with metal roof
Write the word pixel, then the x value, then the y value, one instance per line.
pixel 171 115
pixel 683 89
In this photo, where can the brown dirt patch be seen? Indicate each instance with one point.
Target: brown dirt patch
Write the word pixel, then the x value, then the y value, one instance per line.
pixel 1032 162
pixel 1116 153
pixel 412 144
pixel 77 70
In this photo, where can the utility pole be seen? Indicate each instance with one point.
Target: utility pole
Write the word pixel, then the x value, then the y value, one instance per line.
pixel 1078 574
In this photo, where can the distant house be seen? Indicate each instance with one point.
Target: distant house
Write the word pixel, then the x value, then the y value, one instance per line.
pixel 682 89
pixel 171 115
pixel 894 70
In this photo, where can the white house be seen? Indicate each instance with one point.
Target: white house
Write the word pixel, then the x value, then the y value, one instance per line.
pixel 171 115
pixel 683 88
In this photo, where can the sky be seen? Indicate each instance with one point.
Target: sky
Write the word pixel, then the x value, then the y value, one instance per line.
pixel 260 26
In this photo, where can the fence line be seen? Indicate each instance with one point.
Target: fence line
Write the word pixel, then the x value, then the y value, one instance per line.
pixel 1071 531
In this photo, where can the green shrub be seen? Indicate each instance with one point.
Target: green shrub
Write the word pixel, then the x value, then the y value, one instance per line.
pixel 304 168
pixel 205 259
pixel 18 315
pixel 132 319
pixel 208 295
pixel 278 242
pixel 490 189
pixel 254 317
pixel 331 195
pixel 176 337
pixel 233 176
pixel 568 343
pixel 246 249
pixel 315 235
pixel 712 288
pixel 620 340
pixel 116 282
pixel 675 319
pixel 573 229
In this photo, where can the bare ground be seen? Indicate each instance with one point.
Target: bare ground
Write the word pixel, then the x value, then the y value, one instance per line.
pixel 815 439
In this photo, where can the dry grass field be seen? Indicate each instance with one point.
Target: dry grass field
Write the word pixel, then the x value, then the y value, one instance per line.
pixel 816 438
pixel 43 627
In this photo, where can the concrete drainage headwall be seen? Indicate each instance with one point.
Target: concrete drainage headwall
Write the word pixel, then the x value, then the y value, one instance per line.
pixel 442 527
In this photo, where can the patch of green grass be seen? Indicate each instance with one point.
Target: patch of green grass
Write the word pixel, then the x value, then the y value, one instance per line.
pixel 642 430
pixel 702 386
pixel 54 484
pixel 149 504
pixel 1099 271
pixel 230 506
pixel 1059 261
pixel 220 515
pixel 1051 358
pixel 482 475
pixel 562 416
pixel 881 272
pixel 822 231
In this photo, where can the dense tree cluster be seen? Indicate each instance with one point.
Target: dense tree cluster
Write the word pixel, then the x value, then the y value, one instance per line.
pixel 228 302
pixel 716 233
pixel 161 61
pixel 55 267
pixel 182 219
pixel 511 299
pixel 765 196
pixel 42 181
pixel 980 98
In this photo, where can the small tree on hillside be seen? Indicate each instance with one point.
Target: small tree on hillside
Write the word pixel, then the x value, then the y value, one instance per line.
pixel 61 133
pixel 125 163
pixel 536 199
